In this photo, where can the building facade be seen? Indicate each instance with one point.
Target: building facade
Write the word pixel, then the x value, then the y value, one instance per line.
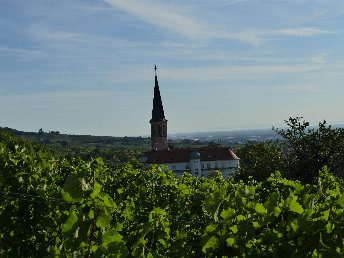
pixel 201 162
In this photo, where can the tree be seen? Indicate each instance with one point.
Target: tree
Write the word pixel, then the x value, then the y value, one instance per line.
pixel 259 160
pixel 309 149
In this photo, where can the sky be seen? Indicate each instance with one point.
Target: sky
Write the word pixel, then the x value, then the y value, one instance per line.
pixel 86 66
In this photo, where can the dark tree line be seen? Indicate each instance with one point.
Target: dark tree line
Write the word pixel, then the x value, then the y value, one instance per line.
pixel 304 151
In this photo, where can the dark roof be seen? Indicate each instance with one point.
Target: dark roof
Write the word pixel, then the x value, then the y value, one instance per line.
pixel 183 155
pixel 158 109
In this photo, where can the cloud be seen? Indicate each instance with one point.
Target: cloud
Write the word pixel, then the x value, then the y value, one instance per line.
pixel 320 58
pixel 198 26
pixel 18 52
pixel 185 25
pixel 300 32
pixel 161 16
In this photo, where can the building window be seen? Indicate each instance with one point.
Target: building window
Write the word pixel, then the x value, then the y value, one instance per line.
pixel 202 165
pixel 208 165
pixel 187 166
pixel 216 165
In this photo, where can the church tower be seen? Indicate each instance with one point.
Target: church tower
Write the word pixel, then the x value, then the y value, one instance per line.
pixel 158 121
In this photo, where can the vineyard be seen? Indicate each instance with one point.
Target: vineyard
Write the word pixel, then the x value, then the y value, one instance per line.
pixel 66 207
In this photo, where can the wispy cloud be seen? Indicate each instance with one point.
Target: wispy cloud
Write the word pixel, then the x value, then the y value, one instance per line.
pixel 19 52
pixel 198 27
pixel 300 32
pixel 161 16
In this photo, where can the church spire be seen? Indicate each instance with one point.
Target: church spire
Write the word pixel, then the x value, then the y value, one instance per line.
pixel 158 121
pixel 158 113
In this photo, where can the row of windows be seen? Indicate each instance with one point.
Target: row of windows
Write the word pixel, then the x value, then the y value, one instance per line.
pixel 203 166
pixel 187 166
pixel 208 165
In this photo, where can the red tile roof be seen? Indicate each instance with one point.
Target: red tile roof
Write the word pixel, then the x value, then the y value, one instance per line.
pixel 209 153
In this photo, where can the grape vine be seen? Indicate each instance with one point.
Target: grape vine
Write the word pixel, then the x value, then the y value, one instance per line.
pixel 67 207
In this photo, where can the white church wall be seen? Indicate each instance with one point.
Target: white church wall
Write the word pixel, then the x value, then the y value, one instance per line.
pixel 184 166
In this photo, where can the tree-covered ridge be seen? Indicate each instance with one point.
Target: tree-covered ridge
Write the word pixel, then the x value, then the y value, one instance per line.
pixel 67 207
pixel 113 150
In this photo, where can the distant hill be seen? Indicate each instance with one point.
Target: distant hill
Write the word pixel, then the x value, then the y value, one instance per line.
pixel 55 139
pixel 230 137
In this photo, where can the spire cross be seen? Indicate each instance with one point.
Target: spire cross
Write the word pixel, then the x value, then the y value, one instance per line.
pixel 155 68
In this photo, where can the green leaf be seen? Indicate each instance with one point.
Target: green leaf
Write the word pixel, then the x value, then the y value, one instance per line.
pixel 103 220
pixel 91 214
pixel 326 214
pixel 72 189
pixel 260 208
pixel 226 214
pixel 96 190
pixel 210 244
pixel 240 218
pixel 234 229
pixel 340 201
pixel 295 206
pixel 111 237
pixel 94 248
pixel 230 241
pixel 329 227
pixel 277 211
pixel 210 228
pixel 71 220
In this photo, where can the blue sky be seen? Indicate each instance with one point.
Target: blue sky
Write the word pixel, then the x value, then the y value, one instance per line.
pixel 86 66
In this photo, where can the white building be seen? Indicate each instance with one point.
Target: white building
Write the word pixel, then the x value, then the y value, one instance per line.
pixel 201 162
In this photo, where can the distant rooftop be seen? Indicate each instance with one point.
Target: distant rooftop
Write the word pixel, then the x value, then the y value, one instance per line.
pixel 182 155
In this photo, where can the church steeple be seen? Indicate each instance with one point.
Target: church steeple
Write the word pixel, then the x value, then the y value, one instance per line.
pixel 158 113
pixel 158 121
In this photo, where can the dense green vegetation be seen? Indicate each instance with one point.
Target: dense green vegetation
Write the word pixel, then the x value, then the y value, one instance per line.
pixel 66 207
pixel 302 153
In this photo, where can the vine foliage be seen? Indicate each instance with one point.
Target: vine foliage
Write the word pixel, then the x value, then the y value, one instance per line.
pixel 67 207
